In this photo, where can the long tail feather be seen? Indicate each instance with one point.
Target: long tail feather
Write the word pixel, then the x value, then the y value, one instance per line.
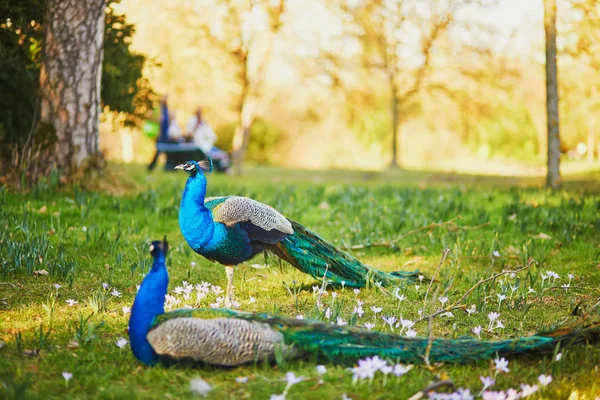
pixel 313 255
pixel 342 344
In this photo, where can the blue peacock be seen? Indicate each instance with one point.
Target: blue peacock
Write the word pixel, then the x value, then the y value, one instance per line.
pixel 224 337
pixel 233 229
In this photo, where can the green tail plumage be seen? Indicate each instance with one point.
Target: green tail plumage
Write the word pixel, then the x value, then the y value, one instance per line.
pixel 339 344
pixel 313 255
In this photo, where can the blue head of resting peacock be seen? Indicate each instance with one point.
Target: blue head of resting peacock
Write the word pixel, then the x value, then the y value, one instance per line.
pixel 227 338
pixel 233 229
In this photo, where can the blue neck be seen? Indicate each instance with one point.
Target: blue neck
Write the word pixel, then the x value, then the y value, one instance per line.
pixel 148 303
pixel 195 220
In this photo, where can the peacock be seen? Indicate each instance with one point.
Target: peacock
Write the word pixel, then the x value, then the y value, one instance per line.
pixel 224 337
pixel 233 229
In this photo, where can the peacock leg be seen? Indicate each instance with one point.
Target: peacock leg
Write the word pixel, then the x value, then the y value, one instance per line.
pixel 229 294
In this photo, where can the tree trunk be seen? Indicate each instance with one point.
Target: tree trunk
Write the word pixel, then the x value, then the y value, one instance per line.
pixel 553 175
pixel 70 77
pixel 241 138
pixel 395 118
pixel 591 139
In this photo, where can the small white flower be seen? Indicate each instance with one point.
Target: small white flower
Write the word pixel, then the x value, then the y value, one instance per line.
pixel 277 397
pixel 252 300
pixel 57 286
pixel 299 316
pixel 341 322
pixel 477 331
pixel 193 264
pixel 328 313
pixel 235 304
pixel 421 278
pixel 499 324
pixel 443 300
pixel 571 276
pixel 531 290
pixel 67 375
pixel 334 295
pixel 411 333
pixel 487 381
pixel 115 293
pixel 448 314
pixel 343 284
pixel 321 370
pixel 501 297
pixel 200 387
pixel 558 357
pixel 105 286
pixel 126 310
pixel 493 316
pixel 527 390
pixel 400 369
pixel 71 302
pixel 406 323
pixel 356 291
pixel 241 379
pixel 496 253
pixel 544 380
pixel 358 310
pixel 84 228
pixel 217 290
pixel 472 309
pixel 292 379
pixel 501 365
pixel 376 309
pixel 489 395
pixel 122 342
pixel 400 297
pixel 369 325
pixel 390 321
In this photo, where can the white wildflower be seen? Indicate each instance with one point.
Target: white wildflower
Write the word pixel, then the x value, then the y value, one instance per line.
pixel 200 387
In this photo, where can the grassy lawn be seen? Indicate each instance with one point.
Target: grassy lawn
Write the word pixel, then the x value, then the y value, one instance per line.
pixel 83 239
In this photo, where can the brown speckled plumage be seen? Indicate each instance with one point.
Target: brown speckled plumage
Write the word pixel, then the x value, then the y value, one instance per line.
pixel 220 341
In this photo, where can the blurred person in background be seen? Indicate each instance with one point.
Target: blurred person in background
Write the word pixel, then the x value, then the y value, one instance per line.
pixel 204 137
pixel 163 136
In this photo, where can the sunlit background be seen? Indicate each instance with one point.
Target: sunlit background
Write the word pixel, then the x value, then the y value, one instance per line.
pixel 469 78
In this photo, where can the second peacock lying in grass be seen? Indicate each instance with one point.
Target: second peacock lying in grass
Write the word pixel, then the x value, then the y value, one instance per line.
pixel 228 338
pixel 233 229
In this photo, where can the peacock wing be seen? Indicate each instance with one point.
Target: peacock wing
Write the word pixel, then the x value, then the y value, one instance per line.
pixel 214 337
pixel 262 222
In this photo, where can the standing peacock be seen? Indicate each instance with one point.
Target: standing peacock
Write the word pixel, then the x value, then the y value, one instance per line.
pixel 233 229
pixel 228 338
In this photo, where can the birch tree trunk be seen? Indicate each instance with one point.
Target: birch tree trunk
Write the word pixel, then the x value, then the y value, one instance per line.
pixel 553 175
pixel 70 77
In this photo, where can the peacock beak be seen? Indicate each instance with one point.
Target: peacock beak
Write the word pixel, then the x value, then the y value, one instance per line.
pixel 180 166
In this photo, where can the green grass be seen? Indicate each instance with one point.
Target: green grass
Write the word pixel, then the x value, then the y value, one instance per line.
pixel 86 238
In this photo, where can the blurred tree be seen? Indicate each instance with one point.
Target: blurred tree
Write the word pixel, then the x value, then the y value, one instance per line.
pixel 393 35
pixel 241 35
pixel 28 144
pixel 553 163
pixel 585 51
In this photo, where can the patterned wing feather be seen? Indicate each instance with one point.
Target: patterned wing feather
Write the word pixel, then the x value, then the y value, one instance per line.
pixel 216 341
pixel 267 221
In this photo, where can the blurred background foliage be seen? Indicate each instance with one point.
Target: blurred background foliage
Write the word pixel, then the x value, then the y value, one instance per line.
pixel 468 77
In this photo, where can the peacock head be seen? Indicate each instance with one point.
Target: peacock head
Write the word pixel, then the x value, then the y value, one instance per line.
pixel 193 167
pixel 159 248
